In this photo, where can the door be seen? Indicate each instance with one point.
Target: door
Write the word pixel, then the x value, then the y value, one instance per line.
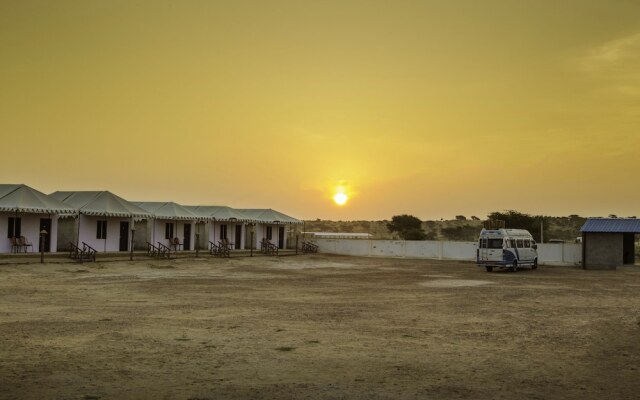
pixel 186 241
pixel 45 223
pixel 124 235
pixel 281 237
pixel 238 236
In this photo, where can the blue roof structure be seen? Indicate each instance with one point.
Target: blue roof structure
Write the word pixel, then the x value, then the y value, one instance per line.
pixel 612 225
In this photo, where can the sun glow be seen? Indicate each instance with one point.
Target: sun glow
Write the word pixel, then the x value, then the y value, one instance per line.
pixel 340 198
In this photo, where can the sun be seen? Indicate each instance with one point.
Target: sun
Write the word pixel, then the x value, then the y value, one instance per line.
pixel 340 198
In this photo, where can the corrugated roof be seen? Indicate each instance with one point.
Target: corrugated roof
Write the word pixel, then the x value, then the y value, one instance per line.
pixel 102 203
pixel 22 198
pixel 218 213
pixel 166 210
pixel 612 225
pixel 269 216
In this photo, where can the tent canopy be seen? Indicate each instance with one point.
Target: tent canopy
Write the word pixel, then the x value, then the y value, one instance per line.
pixel 219 213
pixel 102 203
pixel 269 216
pixel 166 210
pixel 22 198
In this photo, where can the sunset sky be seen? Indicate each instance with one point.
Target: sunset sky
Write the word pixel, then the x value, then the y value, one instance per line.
pixel 430 108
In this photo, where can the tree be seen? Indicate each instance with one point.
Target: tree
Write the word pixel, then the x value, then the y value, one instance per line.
pixel 473 217
pixel 517 220
pixel 408 227
pixel 461 218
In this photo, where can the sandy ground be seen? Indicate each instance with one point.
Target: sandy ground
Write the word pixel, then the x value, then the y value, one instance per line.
pixel 311 327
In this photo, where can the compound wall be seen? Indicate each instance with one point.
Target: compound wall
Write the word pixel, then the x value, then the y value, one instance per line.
pixel 549 254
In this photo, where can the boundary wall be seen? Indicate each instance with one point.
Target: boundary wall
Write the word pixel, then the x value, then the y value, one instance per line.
pixel 548 253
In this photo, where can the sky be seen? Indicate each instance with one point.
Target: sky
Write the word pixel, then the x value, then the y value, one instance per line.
pixel 430 108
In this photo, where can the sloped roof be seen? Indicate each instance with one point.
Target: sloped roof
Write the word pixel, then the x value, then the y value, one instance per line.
pixel 612 225
pixel 22 198
pixel 269 216
pixel 219 213
pixel 102 203
pixel 166 210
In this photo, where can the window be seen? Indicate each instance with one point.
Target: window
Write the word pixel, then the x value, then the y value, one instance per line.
pixel 520 243
pixel 223 231
pixel 102 230
pixel 527 244
pixel 14 227
pixel 168 230
pixel 269 232
pixel 495 243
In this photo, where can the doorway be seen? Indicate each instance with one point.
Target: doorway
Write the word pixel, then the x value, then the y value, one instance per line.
pixel 238 237
pixel 45 223
pixel 124 236
pixel 281 237
pixel 186 241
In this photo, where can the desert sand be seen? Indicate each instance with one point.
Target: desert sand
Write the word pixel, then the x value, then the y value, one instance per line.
pixel 308 327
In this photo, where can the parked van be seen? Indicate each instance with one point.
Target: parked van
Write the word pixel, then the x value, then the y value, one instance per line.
pixel 506 248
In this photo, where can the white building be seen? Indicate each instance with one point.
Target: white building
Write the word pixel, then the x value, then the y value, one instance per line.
pixel 169 221
pixel 271 225
pixel 221 222
pixel 24 214
pixel 103 220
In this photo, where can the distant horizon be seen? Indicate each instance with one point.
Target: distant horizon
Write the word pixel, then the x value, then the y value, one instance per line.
pixel 336 110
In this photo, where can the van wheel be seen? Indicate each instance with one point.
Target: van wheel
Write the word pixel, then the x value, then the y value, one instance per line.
pixel 514 267
pixel 535 264
pixel 488 268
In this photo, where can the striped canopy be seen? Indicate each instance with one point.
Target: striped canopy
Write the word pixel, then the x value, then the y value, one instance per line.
pixel 103 203
pixel 22 198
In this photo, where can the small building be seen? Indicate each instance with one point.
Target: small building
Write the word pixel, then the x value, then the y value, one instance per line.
pixel 169 221
pixel 221 222
pixel 271 225
pixel 103 220
pixel 24 214
pixel 609 242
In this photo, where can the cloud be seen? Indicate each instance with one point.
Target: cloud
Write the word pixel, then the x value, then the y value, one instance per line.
pixel 616 64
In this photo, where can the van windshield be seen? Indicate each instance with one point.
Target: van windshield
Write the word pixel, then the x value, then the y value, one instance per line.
pixel 495 243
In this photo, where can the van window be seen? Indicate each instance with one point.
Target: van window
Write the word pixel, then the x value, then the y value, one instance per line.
pixel 480 243
pixel 520 243
pixel 508 243
pixel 527 244
pixel 495 243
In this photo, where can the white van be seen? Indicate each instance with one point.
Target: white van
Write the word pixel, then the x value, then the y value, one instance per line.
pixel 506 248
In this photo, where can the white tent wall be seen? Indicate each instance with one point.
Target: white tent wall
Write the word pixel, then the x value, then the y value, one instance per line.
pixel 88 232
pixel 29 228
pixel 214 232
pixel 158 232
pixel 261 233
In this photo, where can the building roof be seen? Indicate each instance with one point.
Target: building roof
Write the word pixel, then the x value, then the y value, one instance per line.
pixel 166 210
pixel 99 203
pixel 612 225
pixel 22 198
pixel 269 216
pixel 219 213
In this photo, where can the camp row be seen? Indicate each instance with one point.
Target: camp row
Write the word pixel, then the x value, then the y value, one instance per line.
pixel 34 221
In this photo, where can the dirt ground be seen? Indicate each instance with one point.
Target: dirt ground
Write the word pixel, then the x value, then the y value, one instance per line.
pixel 316 327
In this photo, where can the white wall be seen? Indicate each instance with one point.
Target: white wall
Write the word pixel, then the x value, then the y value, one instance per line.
pixel 550 254
pixel 214 232
pixel 30 228
pixel 157 231
pixel 88 231
pixel 261 233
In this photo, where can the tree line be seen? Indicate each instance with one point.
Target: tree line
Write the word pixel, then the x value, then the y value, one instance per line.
pixel 409 227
